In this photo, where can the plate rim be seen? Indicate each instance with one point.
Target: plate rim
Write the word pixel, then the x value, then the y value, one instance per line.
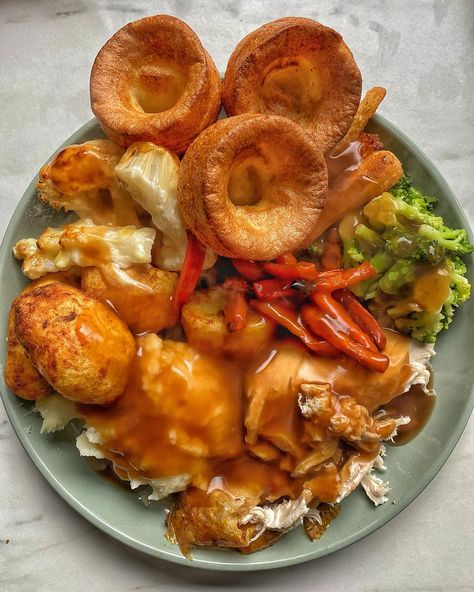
pixel 199 562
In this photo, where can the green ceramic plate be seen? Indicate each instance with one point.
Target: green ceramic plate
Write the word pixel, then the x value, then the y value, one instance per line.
pixel 120 513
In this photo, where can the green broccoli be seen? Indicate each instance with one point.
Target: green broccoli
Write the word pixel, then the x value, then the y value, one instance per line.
pixel 405 191
pixel 388 212
pixel 423 326
pixel 369 236
pixel 460 289
pixel 413 247
pixel 402 238
pixel 402 272
pixel 451 239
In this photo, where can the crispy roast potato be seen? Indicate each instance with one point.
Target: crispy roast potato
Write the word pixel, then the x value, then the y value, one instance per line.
pixel 78 344
pixel 203 322
pixel 145 304
pixel 21 376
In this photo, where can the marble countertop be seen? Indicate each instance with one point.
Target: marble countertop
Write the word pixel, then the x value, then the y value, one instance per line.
pixel 423 53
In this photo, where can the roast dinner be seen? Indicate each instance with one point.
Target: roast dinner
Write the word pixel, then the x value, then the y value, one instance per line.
pixel 241 306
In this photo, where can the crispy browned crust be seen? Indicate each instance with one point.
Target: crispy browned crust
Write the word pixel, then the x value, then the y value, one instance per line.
pixel 265 540
pixel 289 41
pixel 134 54
pixel 79 345
pixel 292 200
pixel 201 519
pixel 21 376
pixel 328 512
pixel 140 309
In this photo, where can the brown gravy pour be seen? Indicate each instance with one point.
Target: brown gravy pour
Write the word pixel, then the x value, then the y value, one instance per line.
pixel 348 160
pixel 138 429
pixel 418 406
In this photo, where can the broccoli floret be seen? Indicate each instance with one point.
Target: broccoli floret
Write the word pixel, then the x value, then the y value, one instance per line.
pixel 366 234
pixel 413 247
pixel 451 239
pixel 387 212
pixel 404 190
pixel 423 326
pixel 352 253
pixel 381 261
pixel 460 289
pixel 402 272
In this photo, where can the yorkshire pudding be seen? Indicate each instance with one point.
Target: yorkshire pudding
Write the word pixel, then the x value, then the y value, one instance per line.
pixel 252 186
pixel 153 80
pixel 296 68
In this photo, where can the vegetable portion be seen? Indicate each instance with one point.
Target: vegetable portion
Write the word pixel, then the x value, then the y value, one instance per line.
pixel 420 276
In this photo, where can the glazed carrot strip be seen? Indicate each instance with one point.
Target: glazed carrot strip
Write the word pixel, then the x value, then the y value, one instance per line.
pixel 342 319
pixel 190 272
pixel 273 289
pixel 287 259
pixel 236 283
pixel 249 269
pixel 235 309
pixel 302 270
pixel 323 325
pixel 343 278
pixel 361 316
pixel 290 319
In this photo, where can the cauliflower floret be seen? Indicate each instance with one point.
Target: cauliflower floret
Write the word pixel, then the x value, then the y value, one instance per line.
pixel 150 174
pixel 84 244
pixel 81 178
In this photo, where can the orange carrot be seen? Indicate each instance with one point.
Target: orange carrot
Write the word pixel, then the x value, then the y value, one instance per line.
pixel 361 316
pixel 290 319
pixel 323 325
pixel 342 319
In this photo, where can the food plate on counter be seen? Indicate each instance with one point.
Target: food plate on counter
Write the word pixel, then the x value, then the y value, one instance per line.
pixel 119 511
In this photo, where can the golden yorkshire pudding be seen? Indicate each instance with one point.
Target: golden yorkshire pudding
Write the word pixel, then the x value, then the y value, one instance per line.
pixel 296 68
pixel 79 345
pixel 252 186
pixel 153 80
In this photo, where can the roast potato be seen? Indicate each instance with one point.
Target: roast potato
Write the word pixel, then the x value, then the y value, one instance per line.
pixel 203 322
pixel 144 302
pixel 21 376
pixel 79 345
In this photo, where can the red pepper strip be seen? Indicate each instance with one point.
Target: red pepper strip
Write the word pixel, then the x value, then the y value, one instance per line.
pixel 341 318
pixel 287 259
pixel 190 272
pixel 332 256
pixel 361 316
pixel 290 319
pixel 249 269
pixel 235 311
pixel 274 289
pixel 303 270
pixel 343 278
pixel 236 283
pixel 321 324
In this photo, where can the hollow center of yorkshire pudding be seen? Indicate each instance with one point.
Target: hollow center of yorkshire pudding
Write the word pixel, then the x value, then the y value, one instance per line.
pixel 248 179
pixel 291 88
pixel 159 87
